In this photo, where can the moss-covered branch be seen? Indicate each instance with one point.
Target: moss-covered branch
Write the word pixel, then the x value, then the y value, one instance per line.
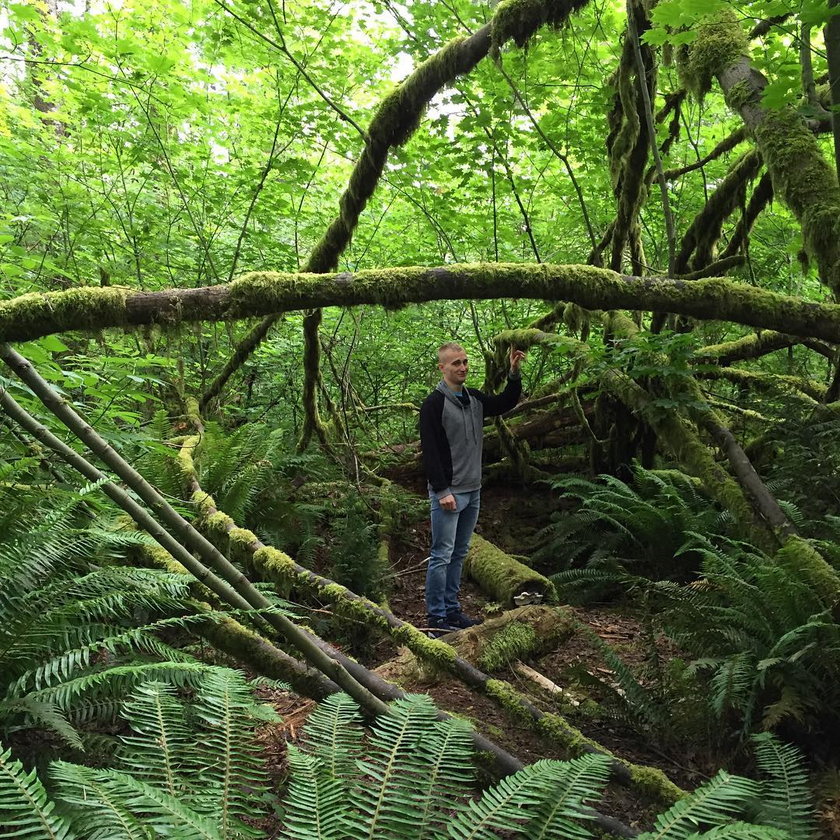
pixel 91 308
pixel 755 345
pixel 801 175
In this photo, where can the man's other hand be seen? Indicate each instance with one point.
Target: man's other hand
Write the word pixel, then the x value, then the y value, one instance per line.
pixel 448 502
pixel 517 356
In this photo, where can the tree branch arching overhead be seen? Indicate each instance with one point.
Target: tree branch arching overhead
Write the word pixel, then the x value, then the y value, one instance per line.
pixel 33 315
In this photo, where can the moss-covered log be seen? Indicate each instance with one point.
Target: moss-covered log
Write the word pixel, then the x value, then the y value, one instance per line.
pixel 92 308
pixel 500 576
pixel 524 632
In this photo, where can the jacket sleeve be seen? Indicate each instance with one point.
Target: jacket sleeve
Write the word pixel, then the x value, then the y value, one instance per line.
pixel 500 403
pixel 434 445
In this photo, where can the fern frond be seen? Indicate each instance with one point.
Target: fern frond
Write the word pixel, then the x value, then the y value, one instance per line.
pixel 447 751
pixel 545 799
pixel 333 733
pixel 386 801
pixel 713 804
pixel 316 803
pixel 558 816
pixel 161 750
pixel 96 812
pixel 235 776
pixel 165 814
pixel 741 831
pixel 786 794
pixel 26 809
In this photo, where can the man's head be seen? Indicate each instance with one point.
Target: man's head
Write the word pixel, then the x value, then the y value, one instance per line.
pixel 453 364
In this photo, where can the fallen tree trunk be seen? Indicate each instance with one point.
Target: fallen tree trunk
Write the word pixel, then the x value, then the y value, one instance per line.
pixel 502 577
pixel 91 308
pixel 498 642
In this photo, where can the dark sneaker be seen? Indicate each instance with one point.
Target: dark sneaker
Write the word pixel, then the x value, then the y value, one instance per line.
pixel 461 620
pixel 438 627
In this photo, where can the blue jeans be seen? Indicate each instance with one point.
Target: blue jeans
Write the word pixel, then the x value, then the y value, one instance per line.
pixel 451 534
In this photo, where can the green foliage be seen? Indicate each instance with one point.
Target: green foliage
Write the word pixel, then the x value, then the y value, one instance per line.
pixel 805 468
pixel 641 528
pixel 764 636
pixel 24 804
pixel 252 476
pixel 786 794
pixel 414 768
pixel 354 555
pixel 67 614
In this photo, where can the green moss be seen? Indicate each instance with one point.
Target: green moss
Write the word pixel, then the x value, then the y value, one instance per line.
pixel 509 699
pixel 186 461
pixel 193 412
pixel 162 559
pixel 431 651
pixel 518 20
pixel 221 523
pixel 740 94
pixel 275 564
pixel 721 41
pixel 500 576
pixel 807 183
pixel 514 641
pixel 806 562
pixel 205 504
pixel 655 784
pixel 241 537
pixel 41 313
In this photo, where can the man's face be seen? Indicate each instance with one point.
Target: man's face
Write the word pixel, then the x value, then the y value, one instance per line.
pixel 453 366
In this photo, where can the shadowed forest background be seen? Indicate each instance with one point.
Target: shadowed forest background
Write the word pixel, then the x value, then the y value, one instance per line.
pixel 232 236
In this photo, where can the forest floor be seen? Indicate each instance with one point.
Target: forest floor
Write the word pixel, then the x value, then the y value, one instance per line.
pixel 509 515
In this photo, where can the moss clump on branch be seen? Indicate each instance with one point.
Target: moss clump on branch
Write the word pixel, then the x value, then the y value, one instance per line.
pixel 513 642
pixel 275 564
pixel 518 20
pixel 502 577
pixel 655 784
pixel 806 181
pixel 86 308
pixel 720 41
pixel 740 94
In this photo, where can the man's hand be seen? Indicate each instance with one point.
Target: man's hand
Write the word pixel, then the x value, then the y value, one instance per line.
pixel 517 356
pixel 448 502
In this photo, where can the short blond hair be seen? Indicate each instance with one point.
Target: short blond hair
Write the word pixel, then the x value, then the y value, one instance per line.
pixel 446 346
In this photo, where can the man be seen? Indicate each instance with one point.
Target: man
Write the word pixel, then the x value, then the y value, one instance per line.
pixel 451 437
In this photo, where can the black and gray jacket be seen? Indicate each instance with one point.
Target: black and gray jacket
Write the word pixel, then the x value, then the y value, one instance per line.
pixel 452 434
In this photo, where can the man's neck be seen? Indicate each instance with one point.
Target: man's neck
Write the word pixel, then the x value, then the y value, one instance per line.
pixel 454 387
